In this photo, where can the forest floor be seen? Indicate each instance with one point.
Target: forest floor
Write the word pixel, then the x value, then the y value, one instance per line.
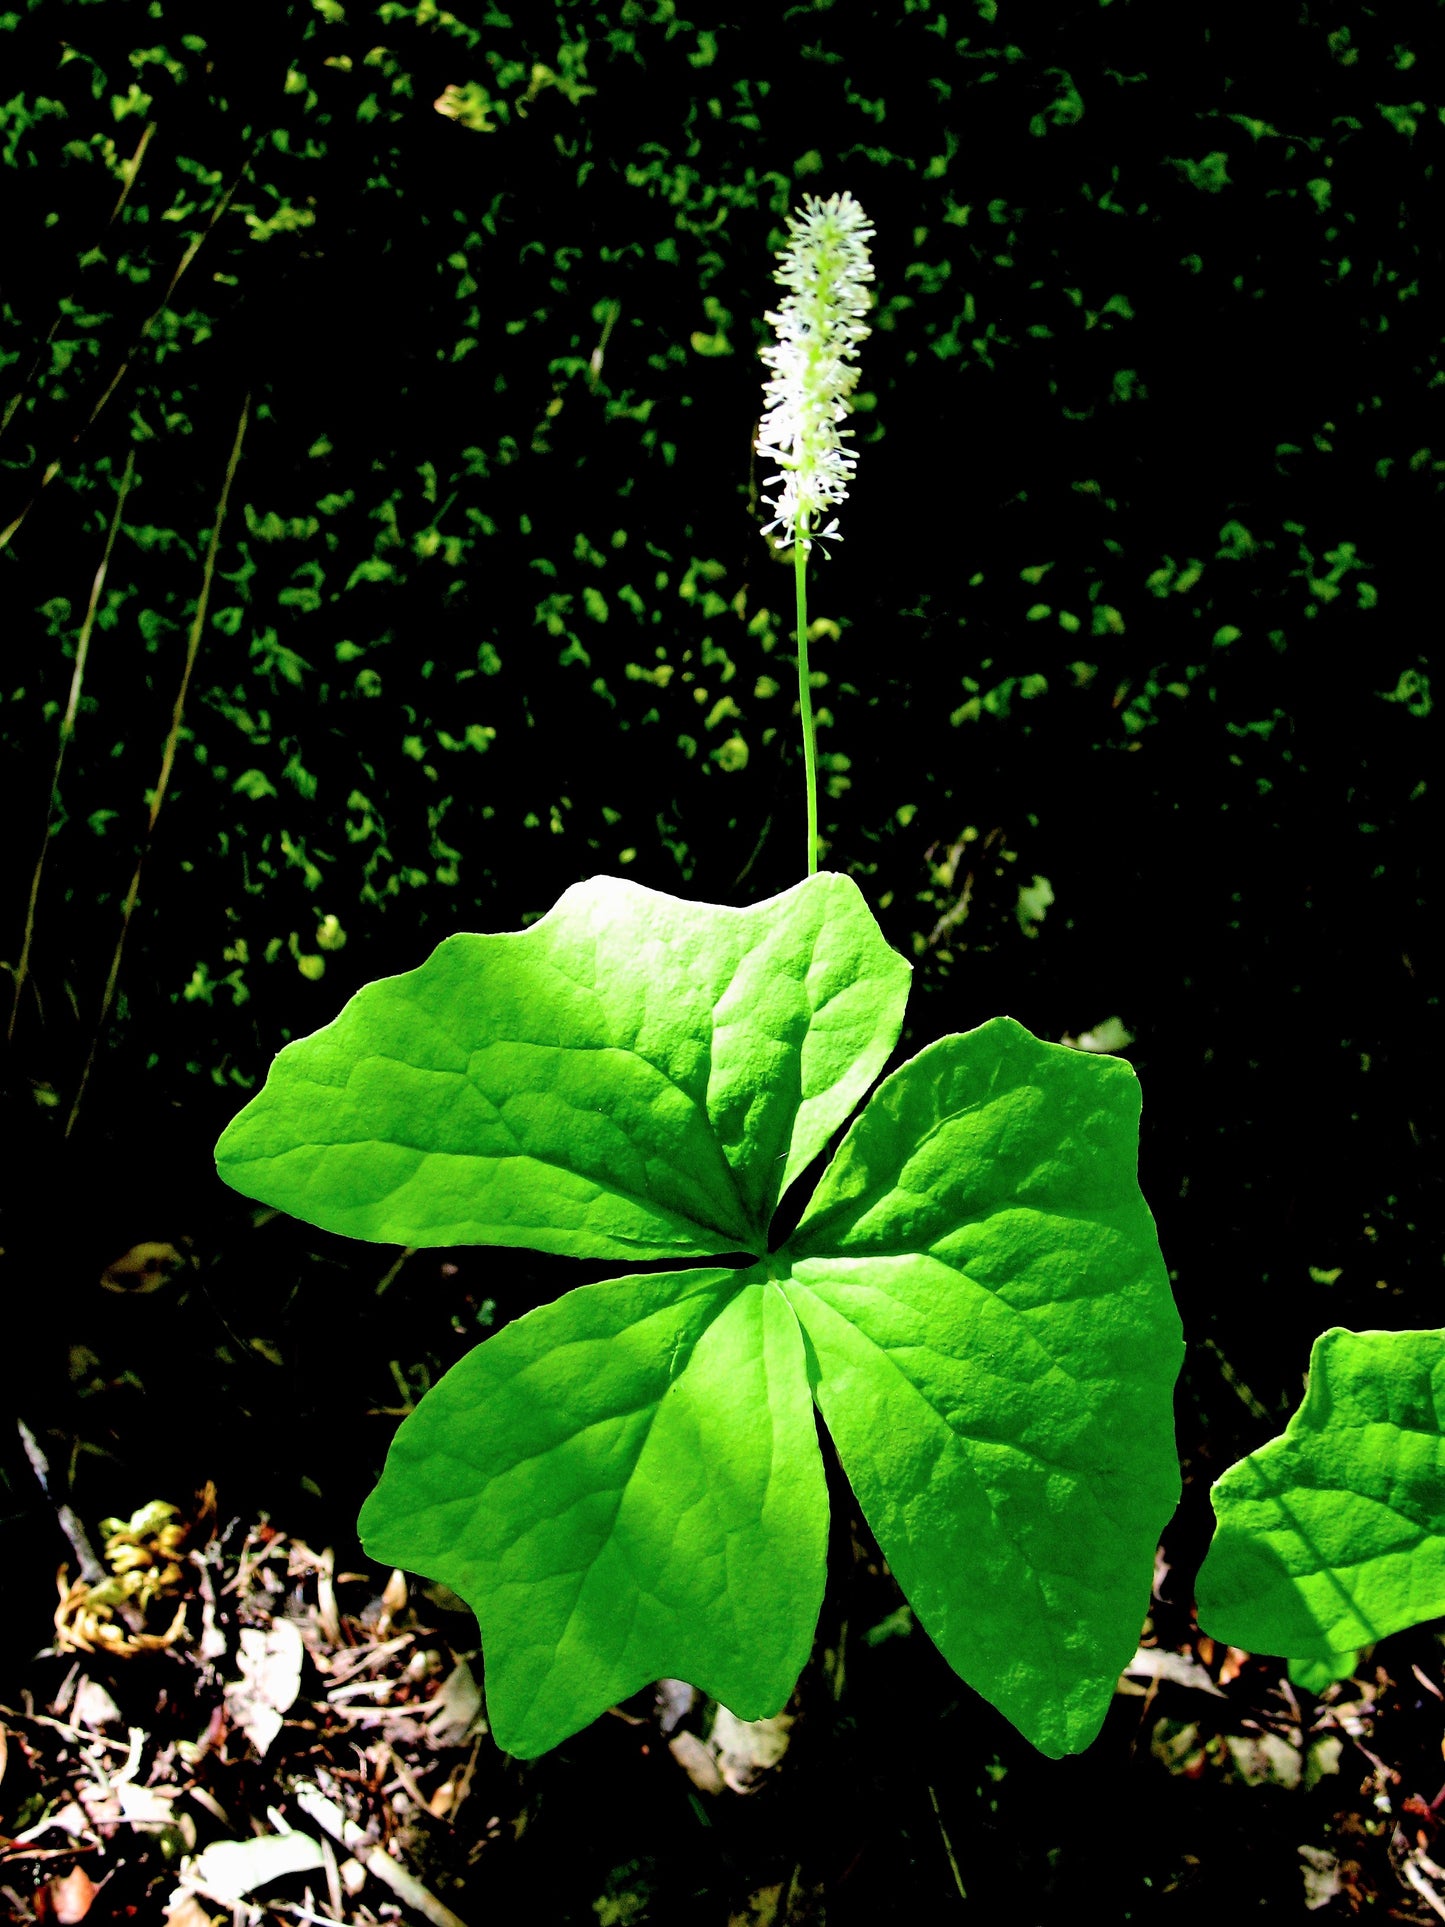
pixel 208 1714
pixel 276 1738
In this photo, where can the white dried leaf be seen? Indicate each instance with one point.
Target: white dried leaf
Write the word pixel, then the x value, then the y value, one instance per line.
pixel 1321 1876
pixel 228 1870
pixel 93 1707
pixel 270 1660
pixel 1156 1662
pixel 697 1761
pixel 454 1712
pixel 747 1749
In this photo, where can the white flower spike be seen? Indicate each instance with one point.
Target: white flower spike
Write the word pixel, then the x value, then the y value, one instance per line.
pixel 813 365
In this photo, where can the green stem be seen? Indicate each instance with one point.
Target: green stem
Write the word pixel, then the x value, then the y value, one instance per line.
pixel 805 689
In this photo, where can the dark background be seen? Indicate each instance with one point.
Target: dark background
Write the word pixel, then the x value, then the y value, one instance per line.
pixel 1138 593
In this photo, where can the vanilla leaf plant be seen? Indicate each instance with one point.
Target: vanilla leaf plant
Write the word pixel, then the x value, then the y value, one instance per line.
pixel 1332 1536
pixel 627 1483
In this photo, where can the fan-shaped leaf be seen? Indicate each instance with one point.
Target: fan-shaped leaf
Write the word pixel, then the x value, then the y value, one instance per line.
pixel 1333 1534
pixel 996 1347
pixel 633 1076
pixel 625 1486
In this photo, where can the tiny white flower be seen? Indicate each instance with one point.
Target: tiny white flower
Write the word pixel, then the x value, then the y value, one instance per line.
pixel 813 367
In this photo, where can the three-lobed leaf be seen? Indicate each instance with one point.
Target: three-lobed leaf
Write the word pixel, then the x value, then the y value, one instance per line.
pixel 1332 1535
pixel 981 1283
pixel 626 1484
pixel 633 1076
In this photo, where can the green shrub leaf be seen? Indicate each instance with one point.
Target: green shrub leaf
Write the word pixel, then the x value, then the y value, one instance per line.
pixel 634 1076
pixel 996 1345
pixel 1332 1535
pixel 625 1486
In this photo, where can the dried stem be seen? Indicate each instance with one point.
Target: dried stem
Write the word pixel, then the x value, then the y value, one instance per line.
pixel 132 168
pixel 52 469
pixel 376 1860
pixel 91 1570
pixel 67 730
pixel 158 795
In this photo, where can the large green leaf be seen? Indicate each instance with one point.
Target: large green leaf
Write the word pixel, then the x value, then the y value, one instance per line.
pixel 1333 1534
pixel 996 1345
pixel 625 1485
pixel 633 1076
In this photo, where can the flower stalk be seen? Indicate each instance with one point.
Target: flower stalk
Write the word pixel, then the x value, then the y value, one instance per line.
pixel 812 374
